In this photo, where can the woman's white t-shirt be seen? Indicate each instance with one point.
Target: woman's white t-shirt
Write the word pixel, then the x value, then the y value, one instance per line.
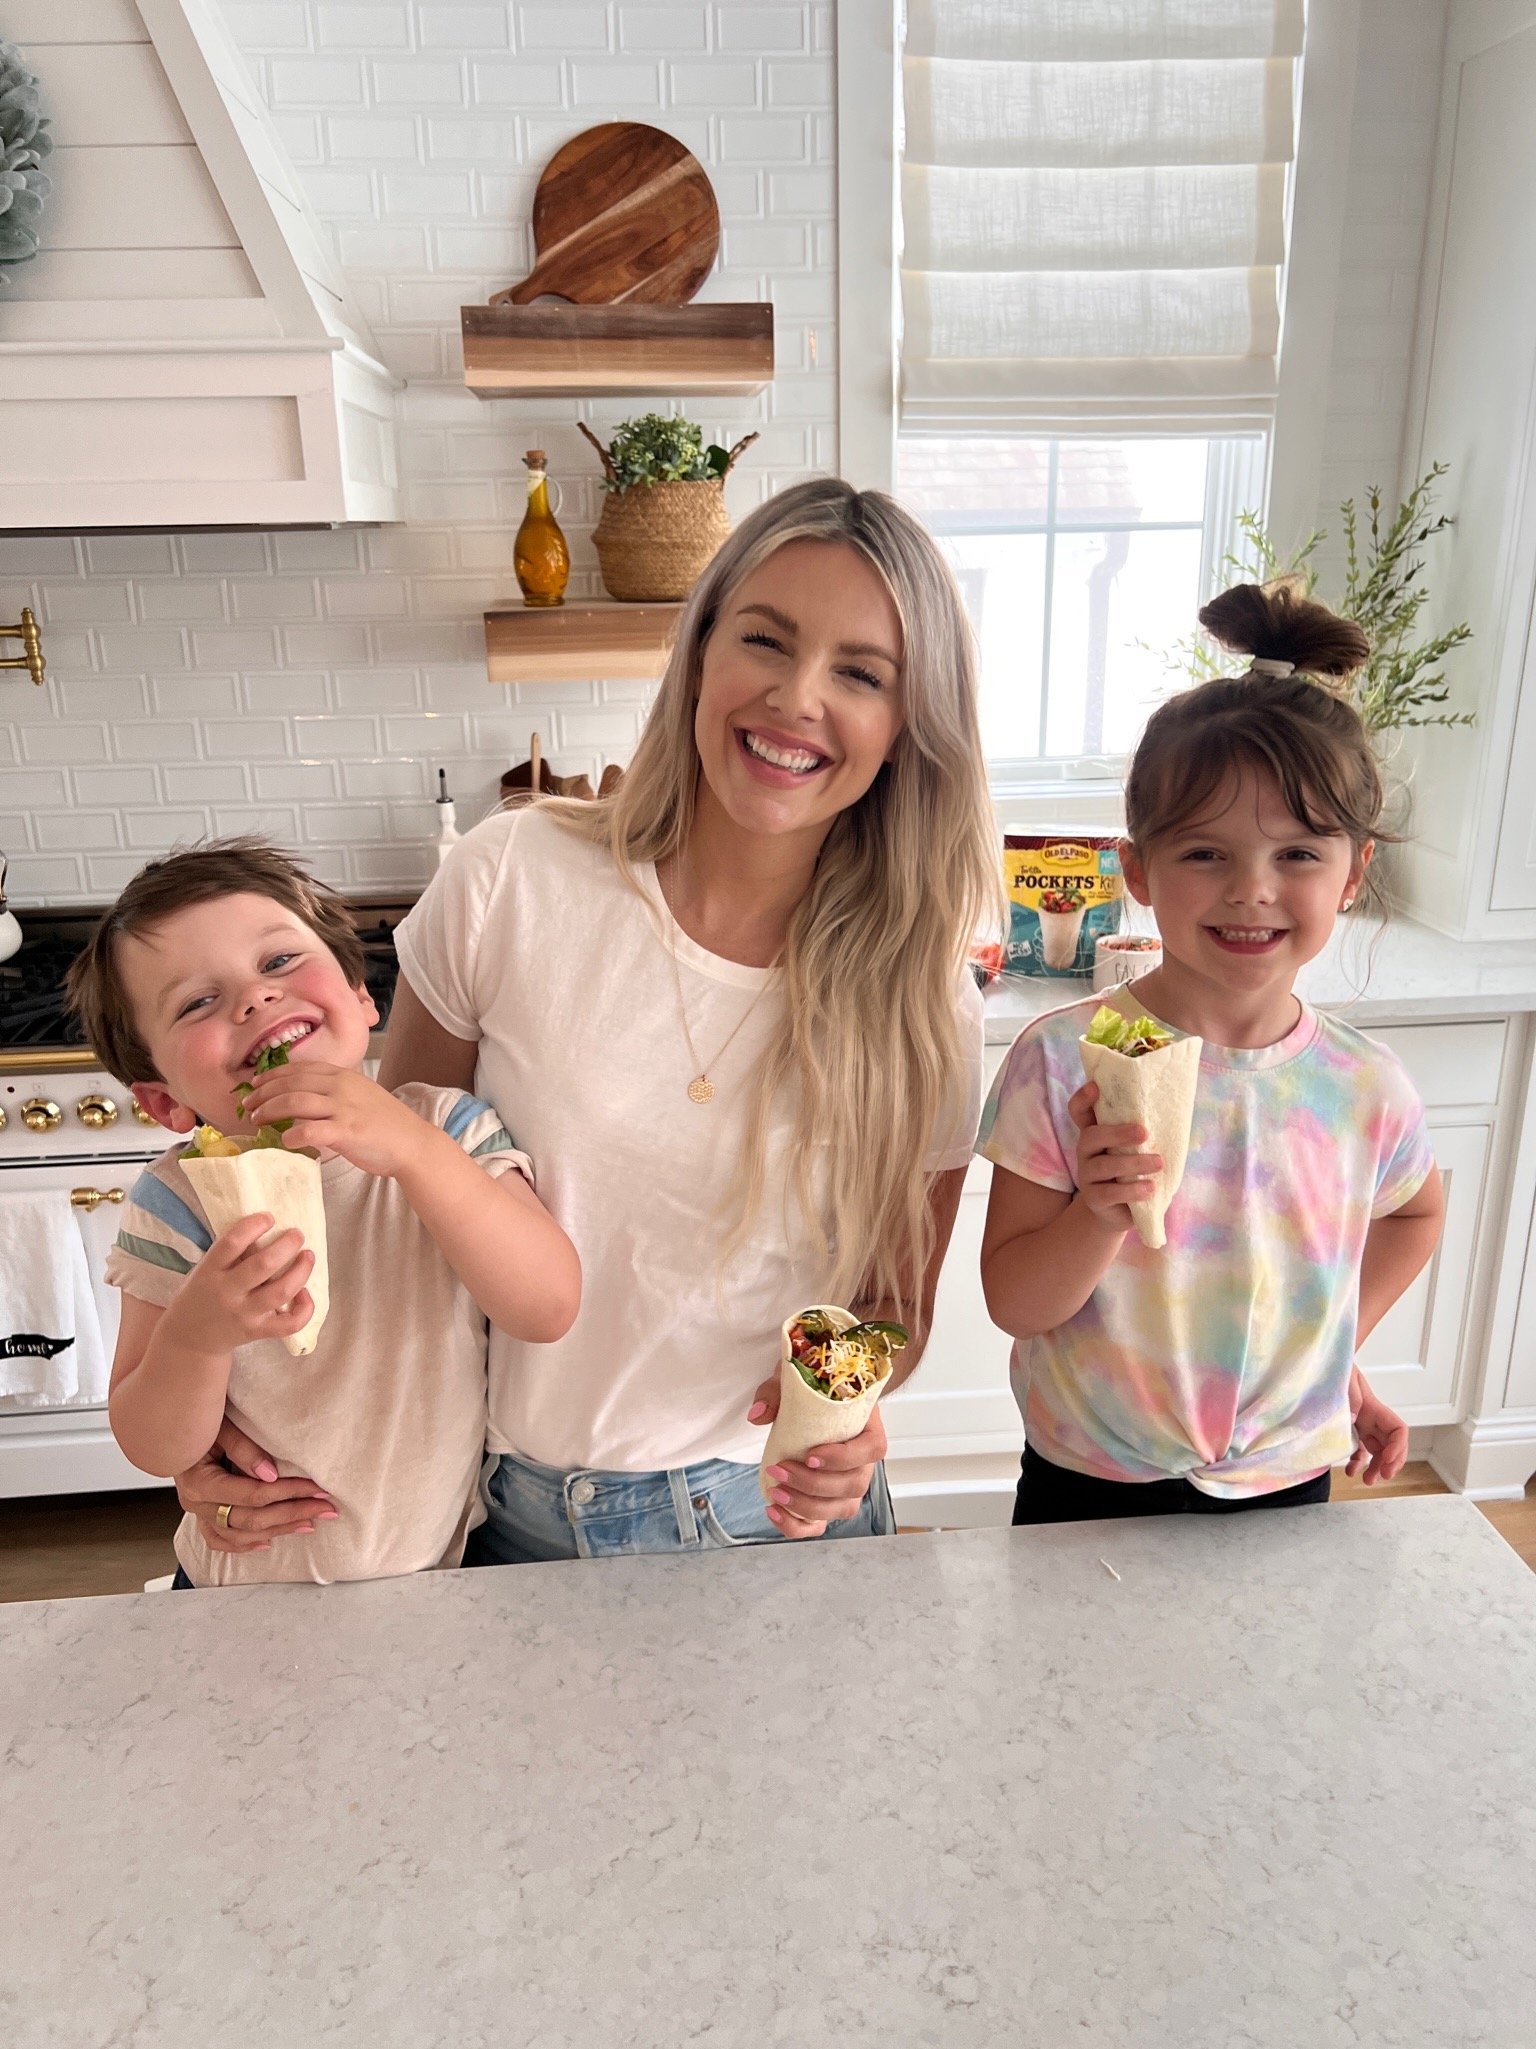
pixel 531 942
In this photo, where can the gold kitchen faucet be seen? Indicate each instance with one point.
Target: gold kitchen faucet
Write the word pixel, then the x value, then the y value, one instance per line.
pixel 31 657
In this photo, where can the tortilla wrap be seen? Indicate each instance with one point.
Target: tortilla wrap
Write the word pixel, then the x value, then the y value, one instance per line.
pixel 806 1418
pixel 285 1185
pixel 1157 1091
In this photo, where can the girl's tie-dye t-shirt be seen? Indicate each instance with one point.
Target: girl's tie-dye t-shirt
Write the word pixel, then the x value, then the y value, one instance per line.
pixel 1225 1357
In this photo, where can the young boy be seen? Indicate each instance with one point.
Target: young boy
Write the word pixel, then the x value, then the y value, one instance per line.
pixel 208 958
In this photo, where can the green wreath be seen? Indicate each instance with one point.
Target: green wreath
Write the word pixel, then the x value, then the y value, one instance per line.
pixel 24 142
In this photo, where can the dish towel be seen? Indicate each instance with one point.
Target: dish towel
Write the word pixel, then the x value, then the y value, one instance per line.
pixel 51 1347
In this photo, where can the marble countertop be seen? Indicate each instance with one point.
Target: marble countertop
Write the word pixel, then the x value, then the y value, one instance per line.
pixel 1271 1785
pixel 1372 972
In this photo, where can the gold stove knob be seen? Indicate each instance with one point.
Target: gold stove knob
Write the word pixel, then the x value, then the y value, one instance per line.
pixel 40 1115
pixel 97 1112
pixel 141 1115
pixel 4 1120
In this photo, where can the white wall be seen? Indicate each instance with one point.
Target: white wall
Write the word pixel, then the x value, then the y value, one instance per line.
pixel 1385 203
pixel 307 684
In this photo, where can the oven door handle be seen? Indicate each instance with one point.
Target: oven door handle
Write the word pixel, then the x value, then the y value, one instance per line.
pixel 92 1198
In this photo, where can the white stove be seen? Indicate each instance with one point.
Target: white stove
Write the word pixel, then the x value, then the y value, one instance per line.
pixel 66 1124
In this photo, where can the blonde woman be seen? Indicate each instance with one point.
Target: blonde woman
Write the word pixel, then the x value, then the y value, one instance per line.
pixel 727 1014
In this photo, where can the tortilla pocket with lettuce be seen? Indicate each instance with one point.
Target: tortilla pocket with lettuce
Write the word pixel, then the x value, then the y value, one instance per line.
pixel 244 1177
pixel 1147 1076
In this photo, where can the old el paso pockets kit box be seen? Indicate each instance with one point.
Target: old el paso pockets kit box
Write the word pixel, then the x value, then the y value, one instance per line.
pixel 1063 895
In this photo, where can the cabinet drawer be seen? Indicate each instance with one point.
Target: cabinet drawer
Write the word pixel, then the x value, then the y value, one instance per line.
pixel 1453 1065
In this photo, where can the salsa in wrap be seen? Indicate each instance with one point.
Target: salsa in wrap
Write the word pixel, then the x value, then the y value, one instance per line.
pixel 1147 1076
pixel 832 1371
pixel 242 1177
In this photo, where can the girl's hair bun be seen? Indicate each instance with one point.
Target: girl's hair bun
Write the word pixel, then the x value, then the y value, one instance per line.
pixel 1278 622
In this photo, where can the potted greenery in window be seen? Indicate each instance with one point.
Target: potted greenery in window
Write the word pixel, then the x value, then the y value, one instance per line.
pixel 1403 683
pixel 664 511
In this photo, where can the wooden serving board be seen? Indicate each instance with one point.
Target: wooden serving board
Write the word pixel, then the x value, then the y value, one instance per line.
pixel 623 212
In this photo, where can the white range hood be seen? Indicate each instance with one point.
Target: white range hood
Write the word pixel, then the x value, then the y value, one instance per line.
pixel 183 350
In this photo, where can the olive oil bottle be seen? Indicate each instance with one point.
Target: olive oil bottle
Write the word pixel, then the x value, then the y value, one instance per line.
pixel 540 557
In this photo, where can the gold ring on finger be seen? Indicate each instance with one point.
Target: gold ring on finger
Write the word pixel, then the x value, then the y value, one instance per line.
pixel 222 1518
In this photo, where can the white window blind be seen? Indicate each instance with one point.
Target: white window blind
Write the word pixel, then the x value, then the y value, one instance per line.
pixel 1094 210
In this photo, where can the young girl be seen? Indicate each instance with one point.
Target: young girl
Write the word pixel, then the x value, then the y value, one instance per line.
pixel 1218 1372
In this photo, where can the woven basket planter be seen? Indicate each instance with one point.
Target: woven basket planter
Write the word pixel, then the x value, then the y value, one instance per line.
pixel 654 541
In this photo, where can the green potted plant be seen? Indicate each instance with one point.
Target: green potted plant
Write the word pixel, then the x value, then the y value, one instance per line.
pixel 663 511
pixel 1403 683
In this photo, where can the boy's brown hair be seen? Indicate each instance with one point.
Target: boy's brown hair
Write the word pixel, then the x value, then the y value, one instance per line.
pixel 193 875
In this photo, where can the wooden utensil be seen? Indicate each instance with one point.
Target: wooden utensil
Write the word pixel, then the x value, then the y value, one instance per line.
pixel 623 212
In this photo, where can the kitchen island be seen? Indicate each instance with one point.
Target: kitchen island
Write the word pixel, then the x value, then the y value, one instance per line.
pixel 1265 1781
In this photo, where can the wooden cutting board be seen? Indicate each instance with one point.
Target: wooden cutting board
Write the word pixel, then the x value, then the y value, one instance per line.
pixel 622 213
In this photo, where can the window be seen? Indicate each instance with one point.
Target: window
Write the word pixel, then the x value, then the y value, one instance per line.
pixel 1081 561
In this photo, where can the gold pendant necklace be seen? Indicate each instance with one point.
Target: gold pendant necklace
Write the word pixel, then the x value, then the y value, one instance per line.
pixel 701 1089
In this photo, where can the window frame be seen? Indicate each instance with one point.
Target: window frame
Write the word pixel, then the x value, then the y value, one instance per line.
pixel 1234 480
pixel 868 74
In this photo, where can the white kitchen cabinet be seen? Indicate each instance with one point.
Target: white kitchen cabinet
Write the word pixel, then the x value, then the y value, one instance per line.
pixel 1415 1356
pixel 1470 867
pixel 959 1418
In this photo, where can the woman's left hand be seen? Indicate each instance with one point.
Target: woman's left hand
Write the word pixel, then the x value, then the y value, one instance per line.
pixel 830 1484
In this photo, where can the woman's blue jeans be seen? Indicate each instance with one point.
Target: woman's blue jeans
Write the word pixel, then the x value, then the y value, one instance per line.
pixel 536 1512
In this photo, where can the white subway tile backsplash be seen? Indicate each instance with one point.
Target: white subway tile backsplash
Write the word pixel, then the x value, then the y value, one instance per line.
pixel 625 82
pixel 365 597
pixel 129 555
pixel 79 831
pixel 400 866
pixel 107 697
pixel 65 744
pixel 377 690
pixel 421 82
pixel 194 696
pixel 44 878
pixel 139 650
pixel 354 25
pixel 714 84
pixel 186 599
pixel 577 27
pixel 90 603
pixel 248 648
pixel 278 822
pixel 331 645
pixel 283 597
pixel 371 138
pixel 327 739
pixel 663 29
pixel 247 739
pixel 159 829
pixel 318 82
pixel 345 823
pixel 211 782
pixel 308 684
pixel 432 735
pixel 225 554
pixel 127 788
pixel 287 690
pixel 385 778
pixel 298 780
pixel 451 25
pixel 161 740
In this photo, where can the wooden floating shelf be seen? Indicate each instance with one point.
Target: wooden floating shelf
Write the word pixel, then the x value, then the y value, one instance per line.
pixel 578 643
pixel 554 350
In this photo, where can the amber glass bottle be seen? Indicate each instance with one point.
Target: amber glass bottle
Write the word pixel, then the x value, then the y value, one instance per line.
pixel 541 558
